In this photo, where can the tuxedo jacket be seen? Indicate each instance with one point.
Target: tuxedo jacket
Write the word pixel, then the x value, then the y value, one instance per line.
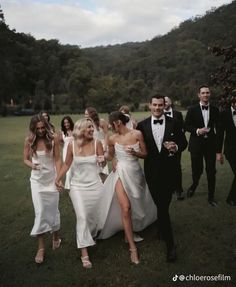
pixel 193 121
pixel 179 117
pixel 159 168
pixel 226 134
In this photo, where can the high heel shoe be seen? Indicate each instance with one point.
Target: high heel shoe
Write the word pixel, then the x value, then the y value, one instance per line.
pixel 56 244
pixel 134 256
pixel 86 262
pixel 39 256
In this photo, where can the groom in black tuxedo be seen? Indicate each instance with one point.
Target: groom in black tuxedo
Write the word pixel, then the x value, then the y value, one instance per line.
pixel 164 140
pixel 227 135
pixel 202 123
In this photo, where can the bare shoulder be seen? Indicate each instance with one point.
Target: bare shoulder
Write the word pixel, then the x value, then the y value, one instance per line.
pixel 136 133
pixel 112 138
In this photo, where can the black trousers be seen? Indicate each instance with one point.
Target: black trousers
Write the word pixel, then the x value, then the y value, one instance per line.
pixel 232 192
pixel 162 198
pixel 179 186
pixel 197 170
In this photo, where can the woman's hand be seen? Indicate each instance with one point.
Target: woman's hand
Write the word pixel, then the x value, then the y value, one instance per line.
pixel 59 185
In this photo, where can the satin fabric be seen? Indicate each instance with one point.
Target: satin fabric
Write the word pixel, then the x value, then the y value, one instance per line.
pixel 44 194
pixel 143 209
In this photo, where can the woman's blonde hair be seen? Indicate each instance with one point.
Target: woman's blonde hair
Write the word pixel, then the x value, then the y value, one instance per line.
pixel 79 129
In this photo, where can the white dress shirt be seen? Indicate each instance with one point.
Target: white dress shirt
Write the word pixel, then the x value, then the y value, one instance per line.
pixel 169 111
pixel 205 114
pixel 158 131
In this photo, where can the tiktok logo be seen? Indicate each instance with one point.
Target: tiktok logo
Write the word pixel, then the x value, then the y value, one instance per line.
pixel 175 278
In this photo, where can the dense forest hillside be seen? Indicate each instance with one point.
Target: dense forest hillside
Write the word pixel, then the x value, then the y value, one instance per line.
pixel 42 74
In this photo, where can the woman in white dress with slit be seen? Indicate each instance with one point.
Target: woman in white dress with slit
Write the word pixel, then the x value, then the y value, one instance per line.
pixel 42 155
pixel 129 204
pixel 66 137
pixel 86 187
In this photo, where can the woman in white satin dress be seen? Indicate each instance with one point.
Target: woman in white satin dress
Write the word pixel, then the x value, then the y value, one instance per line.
pixel 129 204
pixel 66 137
pixel 86 187
pixel 42 155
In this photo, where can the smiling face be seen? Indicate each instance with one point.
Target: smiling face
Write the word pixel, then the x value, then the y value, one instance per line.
pixel 88 133
pixel 66 124
pixel 157 107
pixel 204 95
pixel 40 129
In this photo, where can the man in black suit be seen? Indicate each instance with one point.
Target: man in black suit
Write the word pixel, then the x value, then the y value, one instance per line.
pixel 227 135
pixel 164 140
pixel 202 121
pixel 176 115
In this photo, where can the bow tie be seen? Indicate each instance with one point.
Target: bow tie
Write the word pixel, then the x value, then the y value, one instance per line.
pixel 234 113
pixel 158 122
pixel 168 113
pixel 205 108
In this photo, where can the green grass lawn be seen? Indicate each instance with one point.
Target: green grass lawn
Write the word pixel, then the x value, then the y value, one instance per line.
pixel 205 236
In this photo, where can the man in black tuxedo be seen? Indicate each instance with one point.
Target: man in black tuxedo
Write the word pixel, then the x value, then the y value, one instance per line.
pixel 227 135
pixel 176 115
pixel 202 121
pixel 164 140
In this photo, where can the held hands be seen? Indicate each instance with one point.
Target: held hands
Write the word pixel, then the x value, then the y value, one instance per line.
pixel 101 160
pixel 59 185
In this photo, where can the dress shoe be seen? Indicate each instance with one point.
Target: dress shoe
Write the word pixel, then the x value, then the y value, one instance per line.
pixel 212 202
pixel 231 202
pixel 190 192
pixel 171 254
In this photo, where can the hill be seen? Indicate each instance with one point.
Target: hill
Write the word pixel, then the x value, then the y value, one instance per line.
pixel 44 74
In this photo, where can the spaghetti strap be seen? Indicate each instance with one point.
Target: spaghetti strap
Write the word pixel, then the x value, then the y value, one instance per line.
pixel 73 147
pixel 95 146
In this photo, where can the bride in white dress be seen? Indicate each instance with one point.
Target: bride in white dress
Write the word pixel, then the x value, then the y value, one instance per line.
pixel 129 204
pixel 66 137
pixel 86 187
pixel 42 155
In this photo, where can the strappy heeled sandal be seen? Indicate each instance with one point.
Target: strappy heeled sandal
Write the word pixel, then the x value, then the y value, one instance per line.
pixel 56 244
pixel 86 262
pixel 134 256
pixel 39 256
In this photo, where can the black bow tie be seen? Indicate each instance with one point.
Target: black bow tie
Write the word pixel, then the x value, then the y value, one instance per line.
pixel 168 113
pixel 204 107
pixel 234 113
pixel 158 122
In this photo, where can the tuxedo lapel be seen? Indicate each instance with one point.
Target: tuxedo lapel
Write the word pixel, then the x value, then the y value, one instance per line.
pixel 200 116
pixel 167 132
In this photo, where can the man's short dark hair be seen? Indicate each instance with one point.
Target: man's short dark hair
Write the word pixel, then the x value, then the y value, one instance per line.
pixel 203 86
pixel 157 96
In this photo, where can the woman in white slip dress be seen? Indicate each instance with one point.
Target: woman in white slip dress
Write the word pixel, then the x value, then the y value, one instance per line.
pixel 129 204
pixel 66 137
pixel 86 187
pixel 42 155
pixel 100 133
